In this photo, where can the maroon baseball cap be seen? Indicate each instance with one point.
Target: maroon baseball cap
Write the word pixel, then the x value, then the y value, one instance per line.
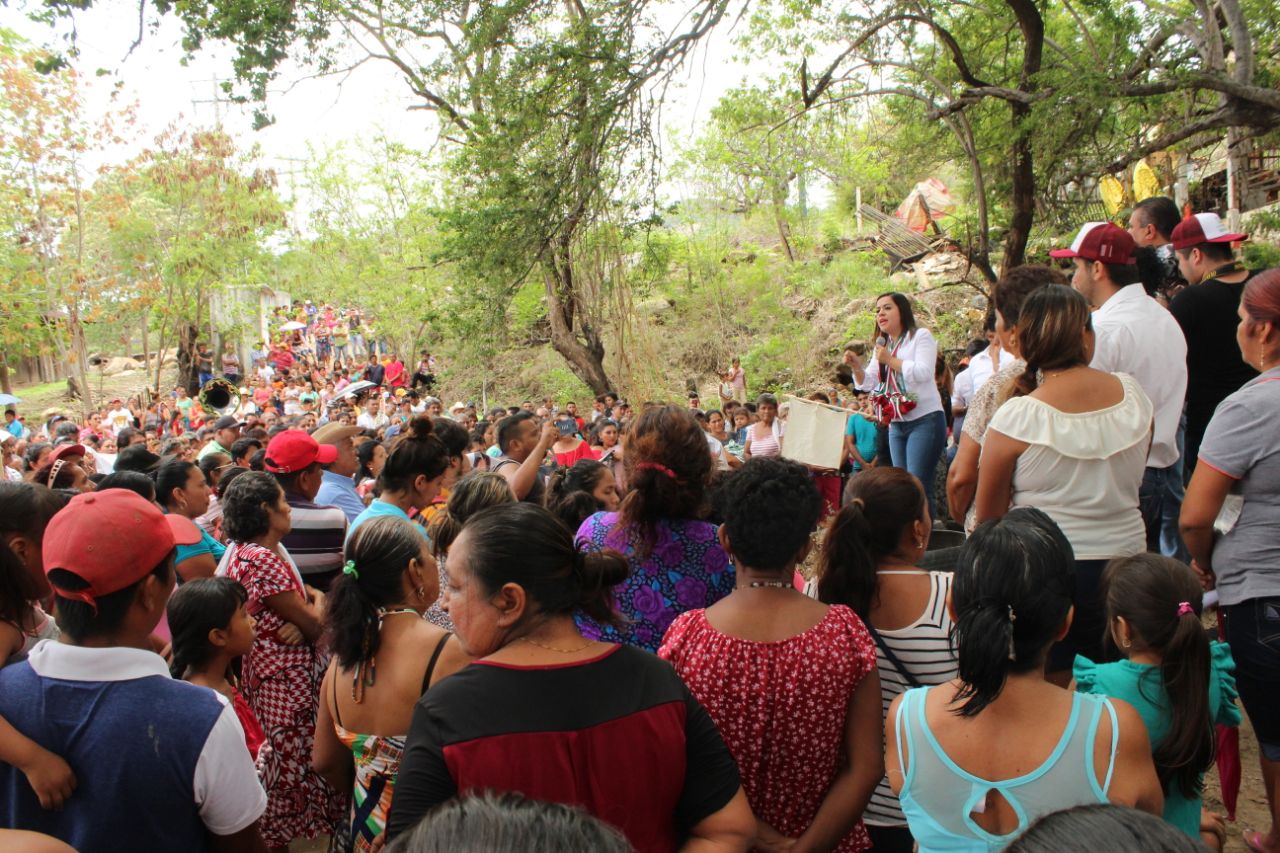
pixel 110 540
pixel 67 450
pixel 1202 228
pixel 294 450
pixel 1100 241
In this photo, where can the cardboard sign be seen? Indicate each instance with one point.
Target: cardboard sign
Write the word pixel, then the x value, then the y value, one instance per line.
pixel 815 433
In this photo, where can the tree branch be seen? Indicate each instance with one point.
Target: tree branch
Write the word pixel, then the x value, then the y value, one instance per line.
pixel 942 33
pixel 1260 95
pixel 1213 121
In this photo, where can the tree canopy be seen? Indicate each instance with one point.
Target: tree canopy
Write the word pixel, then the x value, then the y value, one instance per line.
pixel 549 111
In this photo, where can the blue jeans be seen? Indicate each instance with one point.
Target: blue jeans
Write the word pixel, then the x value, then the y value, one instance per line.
pixel 1171 544
pixel 1253 632
pixel 917 446
pixel 1153 495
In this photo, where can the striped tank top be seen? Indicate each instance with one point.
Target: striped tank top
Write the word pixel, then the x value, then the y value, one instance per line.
pixel 924 648
pixel 766 444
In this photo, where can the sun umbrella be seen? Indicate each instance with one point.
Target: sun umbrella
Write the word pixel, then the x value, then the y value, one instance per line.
pixel 9 400
pixel 293 326
pixel 352 390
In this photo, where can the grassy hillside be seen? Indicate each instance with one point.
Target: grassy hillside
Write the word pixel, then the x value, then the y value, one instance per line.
pixel 700 291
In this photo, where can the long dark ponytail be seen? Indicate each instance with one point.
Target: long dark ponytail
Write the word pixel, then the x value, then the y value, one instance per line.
pixel 1161 600
pixel 882 504
pixel 1013 587
pixel 377 554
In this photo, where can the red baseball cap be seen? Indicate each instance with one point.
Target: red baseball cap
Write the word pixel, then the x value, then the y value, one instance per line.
pixel 294 450
pixel 110 540
pixel 1100 241
pixel 1202 228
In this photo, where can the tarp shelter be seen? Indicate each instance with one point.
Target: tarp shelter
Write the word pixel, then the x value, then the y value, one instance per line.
pixel 928 202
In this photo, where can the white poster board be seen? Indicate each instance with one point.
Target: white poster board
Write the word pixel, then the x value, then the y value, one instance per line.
pixel 815 433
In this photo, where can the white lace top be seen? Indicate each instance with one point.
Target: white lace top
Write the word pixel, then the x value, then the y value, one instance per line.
pixel 1083 468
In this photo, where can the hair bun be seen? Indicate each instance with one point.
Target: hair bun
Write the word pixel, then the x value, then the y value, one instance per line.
pixel 597 573
pixel 421 427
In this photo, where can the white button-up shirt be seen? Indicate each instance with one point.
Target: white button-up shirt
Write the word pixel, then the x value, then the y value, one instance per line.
pixel 970 380
pixel 919 353
pixel 1135 335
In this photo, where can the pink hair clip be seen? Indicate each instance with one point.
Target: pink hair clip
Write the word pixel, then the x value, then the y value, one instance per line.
pixel 654 466
pixel 1184 607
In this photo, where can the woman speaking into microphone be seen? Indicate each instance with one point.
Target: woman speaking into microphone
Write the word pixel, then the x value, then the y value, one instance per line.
pixel 900 377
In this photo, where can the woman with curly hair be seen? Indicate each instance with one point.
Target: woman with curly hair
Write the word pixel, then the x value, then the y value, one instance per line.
pixel 676 562
pixel 283 671
pixel 790 682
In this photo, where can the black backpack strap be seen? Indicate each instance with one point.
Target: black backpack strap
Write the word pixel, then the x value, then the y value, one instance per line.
pixel 911 680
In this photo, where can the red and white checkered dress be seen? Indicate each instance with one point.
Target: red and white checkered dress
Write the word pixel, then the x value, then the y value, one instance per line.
pixel 282 685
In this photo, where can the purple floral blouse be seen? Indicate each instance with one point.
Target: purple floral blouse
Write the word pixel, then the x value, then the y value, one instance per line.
pixel 686 569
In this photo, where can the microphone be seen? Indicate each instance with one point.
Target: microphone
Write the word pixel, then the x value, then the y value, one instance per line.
pixel 883 341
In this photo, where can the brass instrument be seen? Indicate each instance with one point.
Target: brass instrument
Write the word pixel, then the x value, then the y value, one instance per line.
pixel 220 396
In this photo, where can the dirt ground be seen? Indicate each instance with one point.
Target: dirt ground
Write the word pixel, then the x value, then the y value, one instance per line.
pixel 37 399
pixel 1251 807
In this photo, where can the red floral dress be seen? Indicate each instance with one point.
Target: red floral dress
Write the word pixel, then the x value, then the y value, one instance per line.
pixel 282 685
pixel 780 708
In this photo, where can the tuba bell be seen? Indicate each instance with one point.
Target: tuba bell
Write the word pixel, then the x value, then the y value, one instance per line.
pixel 220 396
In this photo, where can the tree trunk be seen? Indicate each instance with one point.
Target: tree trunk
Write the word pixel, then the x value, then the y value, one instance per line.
pixel 1031 25
pixel 6 384
pixel 580 346
pixel 1024 198
pixel 188 374
pixel 782 233
pixel 79 357
pixel 146 342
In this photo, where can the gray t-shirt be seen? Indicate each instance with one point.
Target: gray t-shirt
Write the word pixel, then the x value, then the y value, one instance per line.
pixel 536 492
pixel 1242 442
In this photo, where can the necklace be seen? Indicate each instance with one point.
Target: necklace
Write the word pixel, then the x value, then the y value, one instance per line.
pixel 1045 375
pixel 534 642
pixel 768 585
pixel 1226 269
pixel 366 673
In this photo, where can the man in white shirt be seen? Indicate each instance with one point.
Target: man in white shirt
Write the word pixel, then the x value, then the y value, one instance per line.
pixel 119 417
pixel 372 417
pixel 1134 335
pixel 982 366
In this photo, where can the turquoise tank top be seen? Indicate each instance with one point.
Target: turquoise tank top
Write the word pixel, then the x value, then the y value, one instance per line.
pixel 938 796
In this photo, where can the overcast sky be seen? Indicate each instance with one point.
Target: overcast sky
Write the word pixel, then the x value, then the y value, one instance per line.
pixel 318 112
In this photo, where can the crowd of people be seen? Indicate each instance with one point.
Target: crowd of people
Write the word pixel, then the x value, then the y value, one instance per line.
pixel 329 608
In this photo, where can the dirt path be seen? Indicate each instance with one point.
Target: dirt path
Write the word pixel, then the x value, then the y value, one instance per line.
pixel 1251 807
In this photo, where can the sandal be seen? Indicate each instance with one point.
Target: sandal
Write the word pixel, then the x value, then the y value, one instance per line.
pixel 1255 841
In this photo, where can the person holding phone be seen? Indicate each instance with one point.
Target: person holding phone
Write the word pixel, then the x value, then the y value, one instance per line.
pixel 569 448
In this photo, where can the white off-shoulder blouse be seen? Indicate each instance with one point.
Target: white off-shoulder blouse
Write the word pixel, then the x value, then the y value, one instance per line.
pixel 1083 469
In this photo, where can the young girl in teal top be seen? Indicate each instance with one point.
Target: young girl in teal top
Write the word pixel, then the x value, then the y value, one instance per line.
pixel 1179 682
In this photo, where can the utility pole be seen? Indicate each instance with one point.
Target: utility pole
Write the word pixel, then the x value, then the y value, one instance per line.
pixel 216 99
